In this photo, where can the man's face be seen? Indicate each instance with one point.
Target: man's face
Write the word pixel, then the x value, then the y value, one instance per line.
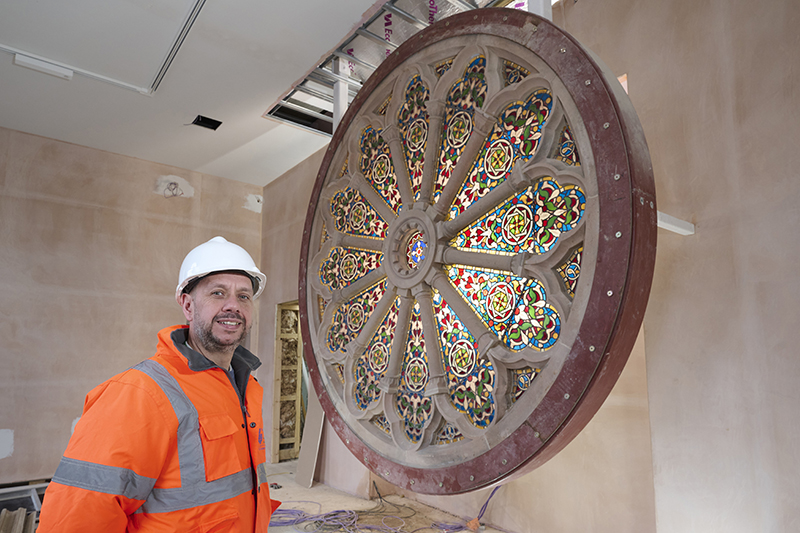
pixel 219 309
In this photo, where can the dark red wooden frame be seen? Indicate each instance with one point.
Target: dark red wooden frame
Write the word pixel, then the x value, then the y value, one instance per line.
pixel 623 271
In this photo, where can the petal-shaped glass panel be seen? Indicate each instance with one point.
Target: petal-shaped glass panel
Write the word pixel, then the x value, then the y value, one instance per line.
pixel 413 122
pixel 343 266
pixel 470 376
pixel 514 308
pixel 376 165
pixel 531 221
pixel 412 406
pixel 466 95
pixel 351 316
pixel 515 137
pixel 352 214
pixel 372 365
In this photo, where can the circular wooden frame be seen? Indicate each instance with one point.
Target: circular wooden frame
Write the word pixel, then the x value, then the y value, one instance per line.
pixel 621 224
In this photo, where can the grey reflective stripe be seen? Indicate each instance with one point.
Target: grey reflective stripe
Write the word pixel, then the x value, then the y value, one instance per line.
pixel 103 478
pixel 194 490
pixel 261 471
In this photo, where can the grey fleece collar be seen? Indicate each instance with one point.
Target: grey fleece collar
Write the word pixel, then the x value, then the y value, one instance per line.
pixel 198 362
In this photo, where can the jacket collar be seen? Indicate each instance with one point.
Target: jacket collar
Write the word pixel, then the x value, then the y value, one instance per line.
pixel 198 362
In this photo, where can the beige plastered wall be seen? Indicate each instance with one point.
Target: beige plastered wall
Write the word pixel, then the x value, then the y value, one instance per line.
pixel 716 84
pixel 90 247
pixel 700 433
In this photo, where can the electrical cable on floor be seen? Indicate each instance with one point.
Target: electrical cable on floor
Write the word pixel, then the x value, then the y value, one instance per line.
pixel 348 521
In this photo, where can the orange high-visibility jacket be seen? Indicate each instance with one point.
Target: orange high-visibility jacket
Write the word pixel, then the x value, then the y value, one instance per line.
pixel 167 446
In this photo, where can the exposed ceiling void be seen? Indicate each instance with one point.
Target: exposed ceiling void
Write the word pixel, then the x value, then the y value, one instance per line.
pixel 311 100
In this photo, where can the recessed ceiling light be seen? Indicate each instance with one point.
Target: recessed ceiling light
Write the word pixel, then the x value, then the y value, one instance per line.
pixel 206 122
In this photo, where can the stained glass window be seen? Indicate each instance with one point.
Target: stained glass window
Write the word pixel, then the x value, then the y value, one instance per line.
pixel 566 151
pixel 446 273
pixel 513 72
pixel 345 265
pixel 466 95
pixel 515 136
pixel 531 221
pixel 413 122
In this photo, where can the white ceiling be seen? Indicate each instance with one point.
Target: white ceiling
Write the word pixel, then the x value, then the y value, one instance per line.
pixel 239 58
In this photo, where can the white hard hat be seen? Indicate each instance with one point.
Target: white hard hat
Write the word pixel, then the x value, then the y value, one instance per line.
pixel 218 255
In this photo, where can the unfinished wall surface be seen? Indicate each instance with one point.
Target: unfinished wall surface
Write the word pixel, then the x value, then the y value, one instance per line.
pixel 717 88
pixel 284 214
pixel 91 246
pixel 716 84
pixel 603 481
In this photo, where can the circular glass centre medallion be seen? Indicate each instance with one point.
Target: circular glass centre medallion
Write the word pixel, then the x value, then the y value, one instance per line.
pixel 417 134
pixel 459 128
pixel 416 376
pixel 462 358
pixel 498 159
pixel 378 357
pixel 517 224
pixel 415 249
pixel 382 169
pixel 500 302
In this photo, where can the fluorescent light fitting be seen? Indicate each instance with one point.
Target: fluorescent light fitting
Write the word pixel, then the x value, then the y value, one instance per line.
pixel 42 66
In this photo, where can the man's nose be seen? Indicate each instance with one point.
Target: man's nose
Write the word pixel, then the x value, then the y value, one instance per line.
pixel 231 303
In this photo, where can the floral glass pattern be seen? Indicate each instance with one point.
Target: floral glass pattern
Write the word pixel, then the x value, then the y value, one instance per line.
pixel 512 307
pixel 350 317
pixel 345 265
pixel 466 95
pixel 470 376
pixel 570 271
pixel 473 310
pixel 566 150
pixel 413 122
pixel 531 221
pixel 372 365
pixel 513 72
pixel 353 215
pixel 377 167
pixel 415 409
pixel 521 379
pixel 515 137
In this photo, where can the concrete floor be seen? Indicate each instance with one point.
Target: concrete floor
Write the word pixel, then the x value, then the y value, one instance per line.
pixel 394 515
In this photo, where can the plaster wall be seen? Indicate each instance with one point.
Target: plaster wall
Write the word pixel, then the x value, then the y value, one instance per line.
pixel 284 214
pixel 716 84
pixel 703 441
pixel 91 248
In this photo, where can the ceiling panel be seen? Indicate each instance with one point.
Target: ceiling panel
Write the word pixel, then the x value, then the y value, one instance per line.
pixel 126 40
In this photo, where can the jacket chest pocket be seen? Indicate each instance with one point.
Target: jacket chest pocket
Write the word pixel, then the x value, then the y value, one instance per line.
pixel 225 449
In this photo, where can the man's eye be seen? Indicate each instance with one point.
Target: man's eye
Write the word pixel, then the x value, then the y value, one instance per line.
pixel 217 293
pixel 245 296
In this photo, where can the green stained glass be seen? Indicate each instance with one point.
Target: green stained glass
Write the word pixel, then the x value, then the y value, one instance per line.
pixel 532 221
pixel 412 119
pixel 466 95
pixel 515 137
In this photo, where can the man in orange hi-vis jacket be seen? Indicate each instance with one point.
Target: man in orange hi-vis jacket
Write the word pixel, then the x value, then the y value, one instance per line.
pixel 176 443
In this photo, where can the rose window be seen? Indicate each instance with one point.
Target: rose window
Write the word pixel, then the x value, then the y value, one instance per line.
pixel 477 254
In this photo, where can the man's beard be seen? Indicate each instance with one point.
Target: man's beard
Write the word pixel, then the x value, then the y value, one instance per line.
pixel 210 342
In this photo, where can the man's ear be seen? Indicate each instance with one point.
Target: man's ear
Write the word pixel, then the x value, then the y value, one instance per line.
pixel 187 305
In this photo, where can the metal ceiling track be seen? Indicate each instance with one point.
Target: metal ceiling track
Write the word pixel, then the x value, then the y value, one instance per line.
pixel 319 83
